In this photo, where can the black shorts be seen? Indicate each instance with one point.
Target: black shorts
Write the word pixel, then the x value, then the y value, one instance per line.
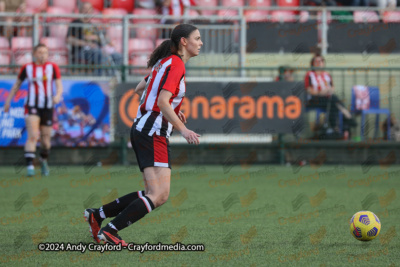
pixel 151 151
pixel 45 114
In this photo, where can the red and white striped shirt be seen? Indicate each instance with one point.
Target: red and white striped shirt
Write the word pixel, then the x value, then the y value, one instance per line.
pixel 40 83
pixel 168 74
pixel 177 7
pixel 319 82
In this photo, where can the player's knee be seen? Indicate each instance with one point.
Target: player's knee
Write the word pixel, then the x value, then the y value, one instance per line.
pixel 162 198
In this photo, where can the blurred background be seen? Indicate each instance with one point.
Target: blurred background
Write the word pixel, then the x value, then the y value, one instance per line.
pixel 247 91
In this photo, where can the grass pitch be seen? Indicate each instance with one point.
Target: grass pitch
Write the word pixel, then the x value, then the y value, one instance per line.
pixel 244 215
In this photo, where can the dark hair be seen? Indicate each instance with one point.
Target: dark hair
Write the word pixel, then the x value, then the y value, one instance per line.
pixel 36 47
pixel 314 57
pixel 170 46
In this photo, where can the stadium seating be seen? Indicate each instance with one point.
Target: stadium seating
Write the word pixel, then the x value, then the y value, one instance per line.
pixel 256 15
pixel 59 31
pixel 391 16
pixel 226 13
pixel 54 44
pixel 21 43
pixel 59 59
pixel 60 11
pixel 288 3
pixel 97 4
pixel 128 5
pixel 5 59
pixel 260 3
pixel 283 16
pixel 208 3
pixel 69 5
pixel 304 16
pixel 140 61
pixel 114 32
pixel 23 58
pixel 136 46
pixel 365 16
pixel 372 107
pixel 120 12
pixel 4 44
pixel 36 5
pixel 146 32
pixel 144 12
pixel 159 41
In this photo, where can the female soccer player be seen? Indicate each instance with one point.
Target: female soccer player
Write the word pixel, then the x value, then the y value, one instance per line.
pixel 161 94
pixel 38 105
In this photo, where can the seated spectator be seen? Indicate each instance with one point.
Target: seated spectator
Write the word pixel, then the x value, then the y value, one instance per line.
pixel 285 74
pixel 321 2
pixel 10 6
pixel 174 8
pixel 320 89
pixel 87 42
pixel 354 2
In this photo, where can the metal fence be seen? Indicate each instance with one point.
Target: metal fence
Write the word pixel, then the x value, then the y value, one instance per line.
pixel 123 44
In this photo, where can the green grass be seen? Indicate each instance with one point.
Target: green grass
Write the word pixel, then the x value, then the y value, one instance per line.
pixel 275 220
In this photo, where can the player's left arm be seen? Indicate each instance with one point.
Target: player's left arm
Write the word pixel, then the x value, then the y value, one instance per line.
pixel 59 86
pixel 59 91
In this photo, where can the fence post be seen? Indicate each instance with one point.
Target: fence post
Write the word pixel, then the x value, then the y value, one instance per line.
pixel 125 54
pixel 243 36
pixel 324 33
pixel 35 32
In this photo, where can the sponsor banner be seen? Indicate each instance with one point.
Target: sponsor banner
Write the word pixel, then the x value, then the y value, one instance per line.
pixel 274 107
pixel 81 119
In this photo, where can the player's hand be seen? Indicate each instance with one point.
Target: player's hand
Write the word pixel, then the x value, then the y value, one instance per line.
pixel 182 117
pixel 56 99
pixel 191 137
pixel 6 107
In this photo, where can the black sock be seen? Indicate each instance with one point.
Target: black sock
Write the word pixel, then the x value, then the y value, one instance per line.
pixel 44 154
pixel 134 212
pixel 112 209
pixel 29 156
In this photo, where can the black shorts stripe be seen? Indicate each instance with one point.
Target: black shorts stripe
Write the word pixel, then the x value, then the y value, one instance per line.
pixel 150 122
pixel 164 127
pixel 165 77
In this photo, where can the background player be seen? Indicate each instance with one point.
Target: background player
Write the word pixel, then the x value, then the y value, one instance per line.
pixel 38 105
pixel 161 94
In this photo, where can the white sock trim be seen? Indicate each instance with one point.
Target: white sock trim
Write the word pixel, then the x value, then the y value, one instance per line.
pixel 102 215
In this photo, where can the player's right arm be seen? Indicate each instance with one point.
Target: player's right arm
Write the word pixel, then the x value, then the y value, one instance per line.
pixel 13 91
pixel 141 86
pixel 15 88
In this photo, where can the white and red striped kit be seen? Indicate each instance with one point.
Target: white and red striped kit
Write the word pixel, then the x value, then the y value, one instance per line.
pixel 40 83
pixel 177 7
pixel 167 74
pixel 319 82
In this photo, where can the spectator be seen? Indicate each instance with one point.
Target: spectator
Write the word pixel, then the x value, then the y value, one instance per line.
pixel 321 2
pixel 320 89
pixel 10 6
pixel 285 74
pixel 354 2
pixel 87 41
pixel 177 9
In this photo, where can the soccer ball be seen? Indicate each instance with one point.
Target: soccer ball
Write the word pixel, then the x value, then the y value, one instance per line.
pixel 365 225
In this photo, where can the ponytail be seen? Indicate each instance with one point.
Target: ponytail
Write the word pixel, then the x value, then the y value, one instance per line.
pixel 162 51
pixel 171 46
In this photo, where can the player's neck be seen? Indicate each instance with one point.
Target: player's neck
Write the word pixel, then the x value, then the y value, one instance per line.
pixel 184 55
pixel 39 63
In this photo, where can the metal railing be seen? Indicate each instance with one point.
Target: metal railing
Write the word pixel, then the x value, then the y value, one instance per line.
pixel 224 36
